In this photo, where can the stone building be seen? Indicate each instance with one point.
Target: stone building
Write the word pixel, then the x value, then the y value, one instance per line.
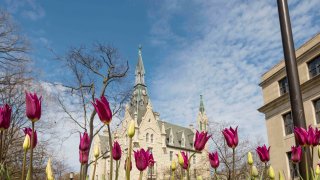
pixel 276 105
pixel 163 139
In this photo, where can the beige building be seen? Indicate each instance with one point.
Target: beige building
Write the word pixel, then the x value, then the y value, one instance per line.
pixel 164 139
pixel 277 105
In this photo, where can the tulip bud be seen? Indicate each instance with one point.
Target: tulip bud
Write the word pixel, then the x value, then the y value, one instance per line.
pixel 281 177
pixel 26 143
pixel 271 173
pixel 96 151
pixel 318 170
pixel 49 171
pixel 173 165
pixel 180 159
pixel 254 171
pixel 131 129
pixel 250 159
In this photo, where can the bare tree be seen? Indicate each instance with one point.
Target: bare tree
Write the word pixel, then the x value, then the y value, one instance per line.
pixel 13 49
pixel 225 153
pixel 96 71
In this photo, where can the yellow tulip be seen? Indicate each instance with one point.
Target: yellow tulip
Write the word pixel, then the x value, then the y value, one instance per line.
pixel 281 176
pixel 26 143
pixel 271 173
pixel 131 129
pixel 173 165
pixel 254 171
pixel 49 170
pixel 199 178
pixel 250 159
pixel 180 159
pixel 96 151
pixel 317 170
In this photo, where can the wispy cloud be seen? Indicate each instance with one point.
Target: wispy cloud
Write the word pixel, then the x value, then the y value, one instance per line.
pixel 28 9
pixel 230 44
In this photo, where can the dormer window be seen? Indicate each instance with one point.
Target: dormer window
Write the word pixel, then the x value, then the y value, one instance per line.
pixel 171 139
pixel 183 142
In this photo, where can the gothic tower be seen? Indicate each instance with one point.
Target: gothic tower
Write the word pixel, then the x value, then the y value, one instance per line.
pixel 139 99
pixel 202 119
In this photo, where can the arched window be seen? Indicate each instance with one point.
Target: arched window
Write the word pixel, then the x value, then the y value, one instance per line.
pixel 151 137
pixel 147 137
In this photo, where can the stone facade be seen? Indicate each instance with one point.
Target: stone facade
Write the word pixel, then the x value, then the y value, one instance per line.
pixel 162 138
pixel 277 105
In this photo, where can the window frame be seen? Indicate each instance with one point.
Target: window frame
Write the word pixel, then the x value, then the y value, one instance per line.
pixel 316 112
pixel 314 71
pixel 283 85
pixel 285 124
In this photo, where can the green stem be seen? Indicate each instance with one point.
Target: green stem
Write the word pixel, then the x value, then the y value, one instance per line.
pixel 24 164
pixel 129 159
pixel 141 174
pixel 110 145
pixel 189 164
pixel 80 172
pixel 215 174
pixel 31 152
pixel 306 161
pixel 94 168
pixel 172 175
pixel 265 170
pixel 117 169
pixel 233 164
pixel 1 134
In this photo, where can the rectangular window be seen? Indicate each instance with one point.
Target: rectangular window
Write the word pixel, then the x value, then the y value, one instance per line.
pixel 171 155
pixel 293 167
pixel 314 67
pixel 316 105
pixel 288 123
pixel 283 85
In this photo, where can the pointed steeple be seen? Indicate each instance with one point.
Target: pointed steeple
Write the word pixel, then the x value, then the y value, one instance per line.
pixel 201 108
pixel 140 69
pixel 202 119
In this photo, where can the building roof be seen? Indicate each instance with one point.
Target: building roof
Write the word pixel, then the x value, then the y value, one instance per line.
pixel 177 132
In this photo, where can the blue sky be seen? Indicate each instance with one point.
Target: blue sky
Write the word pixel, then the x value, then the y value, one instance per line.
pixel 216 48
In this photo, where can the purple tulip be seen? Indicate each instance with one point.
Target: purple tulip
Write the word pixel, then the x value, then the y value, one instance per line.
pixel 313 136
pixel 214 160
pixel 231 136
pixel 5 117
pixel 116 151
pixel 83 156
pixel 33 106
pixel 28 132
pixel 263 153
pixel 84 142
pixel 296 153
pixel 201 140
pixel 182 156
pixel 103 109
pixel 301 135
pixel 142 159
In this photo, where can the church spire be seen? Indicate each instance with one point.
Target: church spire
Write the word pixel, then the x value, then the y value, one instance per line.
pixel 201 108
pixel 202 119
pixel 140 69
